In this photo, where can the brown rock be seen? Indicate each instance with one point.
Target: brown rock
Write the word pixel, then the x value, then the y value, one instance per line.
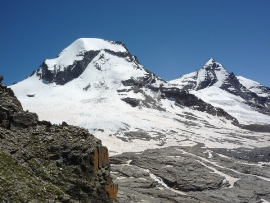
pixel 112 190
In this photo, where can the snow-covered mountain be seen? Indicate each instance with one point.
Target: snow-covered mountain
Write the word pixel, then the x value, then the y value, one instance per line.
pixel 99 85
pixel 246 100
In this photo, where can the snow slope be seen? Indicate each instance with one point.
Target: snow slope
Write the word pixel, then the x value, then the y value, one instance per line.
pixel 233 104
pixel 254 86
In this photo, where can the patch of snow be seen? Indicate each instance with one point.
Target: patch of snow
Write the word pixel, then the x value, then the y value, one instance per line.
pixel 210 155
pixel 119 178
pixel 182 81
pixel 128 162
pixel 264 201
pixel 160 181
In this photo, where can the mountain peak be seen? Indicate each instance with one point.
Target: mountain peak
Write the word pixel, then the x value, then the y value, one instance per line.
pixel 93 44
pixel 210 61
pixel 73 60
pixel 76 50
pixel 212 65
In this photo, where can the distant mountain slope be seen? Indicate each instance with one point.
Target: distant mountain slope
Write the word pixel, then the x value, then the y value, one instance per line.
pixel 242 99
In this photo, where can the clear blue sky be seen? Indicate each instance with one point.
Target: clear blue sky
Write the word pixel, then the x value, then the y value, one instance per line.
pixel 170 38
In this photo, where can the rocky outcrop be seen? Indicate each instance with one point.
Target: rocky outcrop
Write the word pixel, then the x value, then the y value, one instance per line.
pixel 9 105
pixel 11 112
pixel 132 101
pixel 101 161
pixel 41 162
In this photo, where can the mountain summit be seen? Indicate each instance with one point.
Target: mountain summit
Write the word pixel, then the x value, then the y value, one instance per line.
pixel 215 85
pixel 74 59
pixel 211 74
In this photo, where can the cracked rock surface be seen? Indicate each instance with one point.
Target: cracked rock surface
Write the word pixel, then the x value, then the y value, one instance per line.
pixel 190 174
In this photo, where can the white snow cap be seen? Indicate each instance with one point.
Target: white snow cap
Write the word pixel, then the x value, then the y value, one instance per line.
pixel 74 51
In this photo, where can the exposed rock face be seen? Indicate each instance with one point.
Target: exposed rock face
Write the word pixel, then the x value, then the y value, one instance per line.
pixel 192 174
pixel 41 162
pixel 70 72
pixel 132 101
pixel 9 105
pixel 190 100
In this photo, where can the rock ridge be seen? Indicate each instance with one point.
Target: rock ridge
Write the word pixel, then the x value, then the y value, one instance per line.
pixel 41 162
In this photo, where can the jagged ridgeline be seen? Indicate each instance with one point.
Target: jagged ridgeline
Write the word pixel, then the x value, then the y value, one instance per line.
pixel 41 162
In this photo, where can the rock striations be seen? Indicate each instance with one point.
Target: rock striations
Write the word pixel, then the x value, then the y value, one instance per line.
pixel 41 162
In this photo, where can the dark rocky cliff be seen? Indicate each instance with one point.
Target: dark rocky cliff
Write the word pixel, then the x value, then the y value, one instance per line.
pixel 41 162
pixel 70 72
